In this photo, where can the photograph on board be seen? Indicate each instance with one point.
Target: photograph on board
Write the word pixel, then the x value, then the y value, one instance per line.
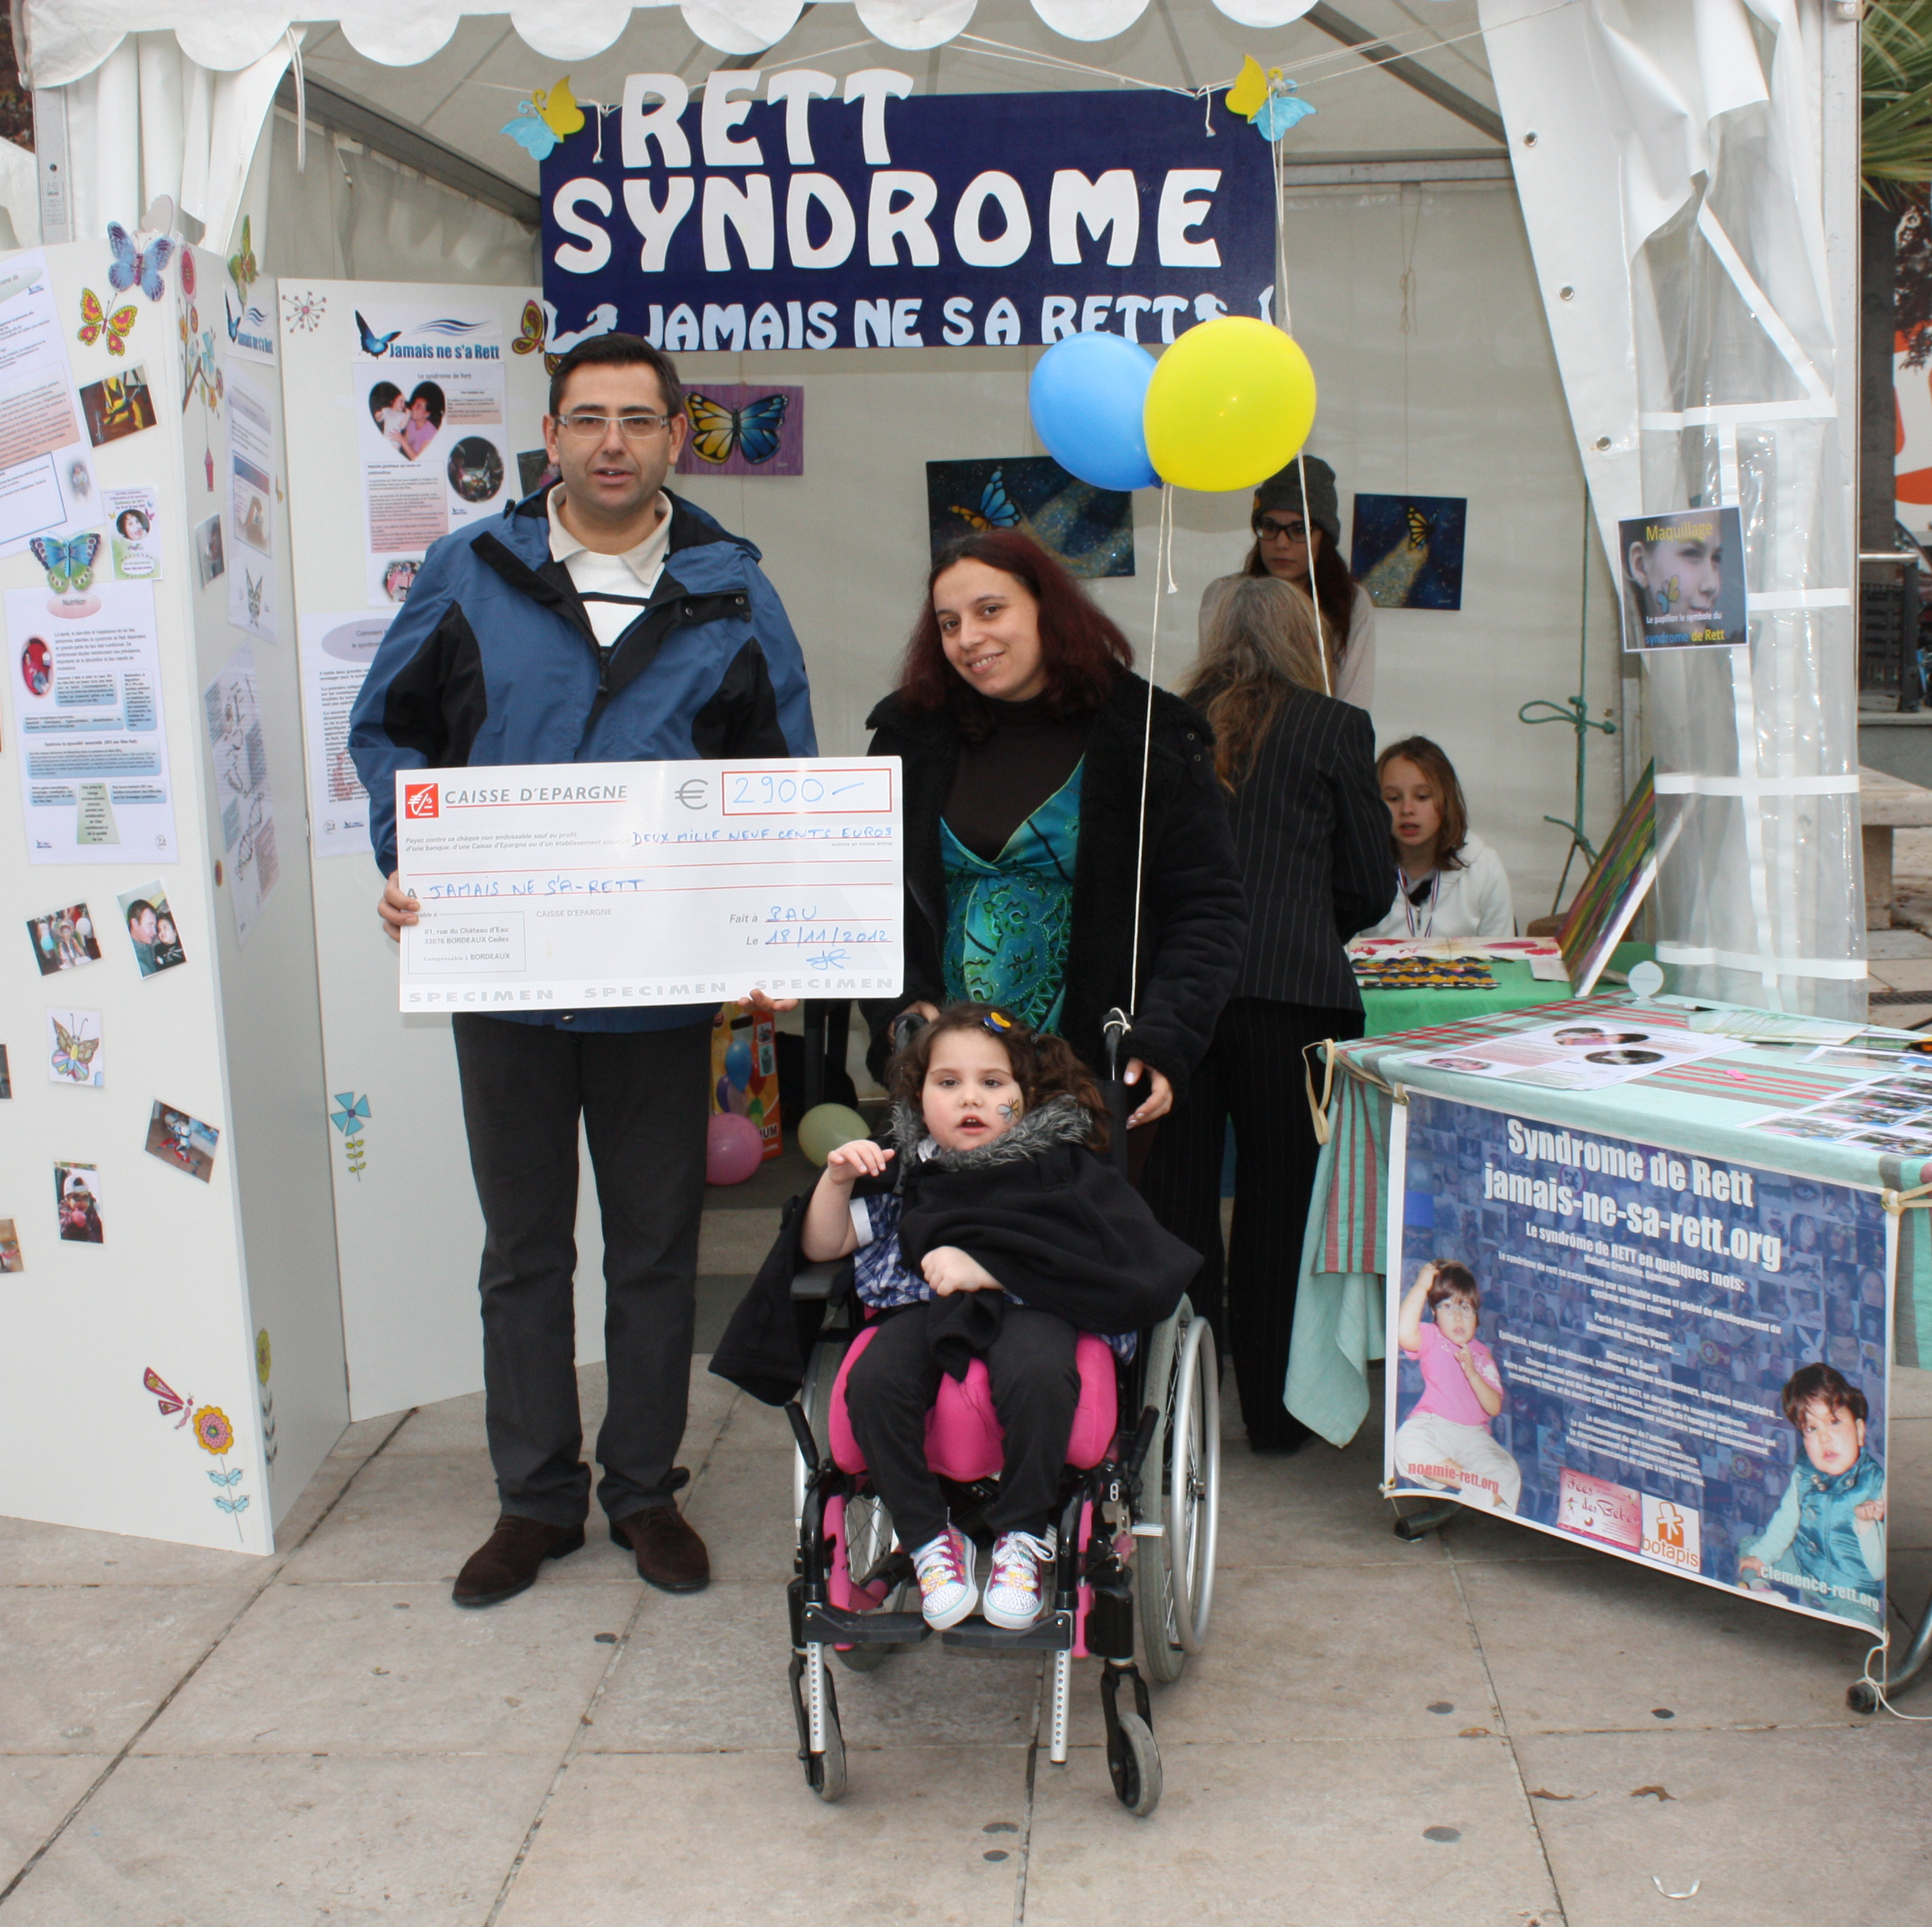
pixel 184 1142
pixel 10 1247
pixel 210 560
pixel 77 1200
pixel 152 930
pixel 118 405
pixel 1683 576
pixel 63 939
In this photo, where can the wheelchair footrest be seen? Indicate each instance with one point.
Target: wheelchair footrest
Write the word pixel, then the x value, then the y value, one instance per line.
pixel 1051 1632
pixel 834 1625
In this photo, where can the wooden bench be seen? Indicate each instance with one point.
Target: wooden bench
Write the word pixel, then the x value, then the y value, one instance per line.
pixel 1886 804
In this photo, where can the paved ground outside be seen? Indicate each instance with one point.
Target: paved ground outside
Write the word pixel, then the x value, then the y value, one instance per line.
pixel 1492 1729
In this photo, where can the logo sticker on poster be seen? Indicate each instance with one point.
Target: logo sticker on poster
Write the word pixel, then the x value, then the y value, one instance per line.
pixel 1671 1535
pixel 419 799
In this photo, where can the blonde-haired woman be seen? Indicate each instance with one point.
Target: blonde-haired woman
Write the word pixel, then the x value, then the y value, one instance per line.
pixel 1311 833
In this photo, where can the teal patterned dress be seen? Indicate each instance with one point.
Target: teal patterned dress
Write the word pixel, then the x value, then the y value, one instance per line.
pixel 1007 922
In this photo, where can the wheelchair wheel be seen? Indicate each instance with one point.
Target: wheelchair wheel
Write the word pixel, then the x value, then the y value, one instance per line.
pixel 1175 1586
pixel 1133 1763
pixel 868 1539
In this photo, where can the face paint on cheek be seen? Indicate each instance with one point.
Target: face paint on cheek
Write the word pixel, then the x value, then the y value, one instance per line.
pixel 1009 1112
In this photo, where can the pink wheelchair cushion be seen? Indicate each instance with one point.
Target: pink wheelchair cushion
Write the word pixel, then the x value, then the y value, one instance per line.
pixel 963 1440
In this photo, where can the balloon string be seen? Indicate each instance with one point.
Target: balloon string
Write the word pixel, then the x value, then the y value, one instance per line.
pixel 1164 584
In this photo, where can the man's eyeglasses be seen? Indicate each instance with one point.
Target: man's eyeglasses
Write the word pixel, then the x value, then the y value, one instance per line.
pixel 639 426
pixel 1270 530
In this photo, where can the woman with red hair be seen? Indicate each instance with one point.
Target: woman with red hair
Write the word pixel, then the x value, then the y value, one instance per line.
pixel 1023 730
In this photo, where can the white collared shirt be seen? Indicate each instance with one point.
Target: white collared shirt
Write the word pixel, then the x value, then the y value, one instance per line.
pixel 614 588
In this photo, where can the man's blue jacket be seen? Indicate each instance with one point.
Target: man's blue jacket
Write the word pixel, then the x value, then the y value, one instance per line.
pixel 493 660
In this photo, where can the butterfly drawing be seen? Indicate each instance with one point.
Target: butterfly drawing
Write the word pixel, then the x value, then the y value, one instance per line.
pixel 137 267
pixel 374 343
pixel 253 592
pixel 69 562
pixel 544 119
pixel 171 1401
pixel 242 269
pixel 996 509
pixel 73 1056
pixel 717 432
pixel 530 333
pixel 95 322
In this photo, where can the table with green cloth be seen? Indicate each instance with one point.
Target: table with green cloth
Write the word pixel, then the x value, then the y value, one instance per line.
pixel 1384 1012
pixel 1701 1106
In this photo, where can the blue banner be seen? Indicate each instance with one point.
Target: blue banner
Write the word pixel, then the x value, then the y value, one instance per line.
pixel 770 216
pixel 1674 1358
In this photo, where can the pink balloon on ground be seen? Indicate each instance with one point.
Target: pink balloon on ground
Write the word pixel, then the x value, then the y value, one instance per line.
pixel 733 1149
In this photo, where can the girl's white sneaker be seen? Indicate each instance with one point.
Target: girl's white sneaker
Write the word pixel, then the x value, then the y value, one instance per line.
pixel 945 1588
pixel 1015 1589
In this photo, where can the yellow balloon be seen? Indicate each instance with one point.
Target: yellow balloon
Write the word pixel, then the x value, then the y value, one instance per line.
pixel 1229 404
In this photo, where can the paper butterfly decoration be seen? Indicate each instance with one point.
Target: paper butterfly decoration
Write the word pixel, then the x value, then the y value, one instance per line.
pixel 73 1056
pixel 374 343
pixel 354 1111
pixel 69 563
pixel 1266 99
pixel 996 509
pixel 171 1401
pixel 95 321
pixel 139 267
pixel 242 269
pixel 530 337
pixel 544 119
pixel 718 432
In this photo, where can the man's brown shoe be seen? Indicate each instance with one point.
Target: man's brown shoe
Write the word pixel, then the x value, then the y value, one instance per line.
pixel 506 1562
pixel 670 1555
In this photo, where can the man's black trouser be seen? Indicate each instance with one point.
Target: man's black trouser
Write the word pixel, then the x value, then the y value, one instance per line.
pixel 1253 1073
pixel 641 1096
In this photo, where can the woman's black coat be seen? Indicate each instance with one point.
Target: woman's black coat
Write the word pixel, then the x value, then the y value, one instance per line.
pixel 1194 918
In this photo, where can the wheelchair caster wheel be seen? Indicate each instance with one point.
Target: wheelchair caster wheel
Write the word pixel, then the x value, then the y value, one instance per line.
pixel 1862 1698
pixel 825 1771
pixel 1133 1760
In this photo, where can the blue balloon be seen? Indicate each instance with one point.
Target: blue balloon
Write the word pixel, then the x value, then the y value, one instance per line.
pixel 738 1063
pixel 1087 396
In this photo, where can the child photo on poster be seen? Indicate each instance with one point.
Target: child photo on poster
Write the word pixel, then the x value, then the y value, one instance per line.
pixel 63 939
pixel 182 1141
pixel 1683 579
pixel 152 930
pixel 77 1199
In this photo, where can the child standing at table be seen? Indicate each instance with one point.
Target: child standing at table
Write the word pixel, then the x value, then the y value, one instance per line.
pixel 1445 1440
pixel 1449 882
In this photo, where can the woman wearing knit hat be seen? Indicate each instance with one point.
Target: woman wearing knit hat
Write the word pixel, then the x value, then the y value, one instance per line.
pixel 1293 541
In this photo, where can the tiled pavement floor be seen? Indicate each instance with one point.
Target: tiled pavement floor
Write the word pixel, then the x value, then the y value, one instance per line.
pixel 1486 1729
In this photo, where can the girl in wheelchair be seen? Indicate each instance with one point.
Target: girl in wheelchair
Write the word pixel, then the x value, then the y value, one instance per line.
pixel 984 1223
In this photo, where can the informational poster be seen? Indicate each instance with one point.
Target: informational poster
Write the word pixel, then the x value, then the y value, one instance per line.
pixel 336 652
pixel 85 674
pixel 46 476
pixel 1676 1358
pixel 1684 579
pixel 430 407
pixel 242 789
pixel 251 456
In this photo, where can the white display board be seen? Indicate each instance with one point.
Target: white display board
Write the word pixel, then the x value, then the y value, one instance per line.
pixel 407 1226
pixel 181 1377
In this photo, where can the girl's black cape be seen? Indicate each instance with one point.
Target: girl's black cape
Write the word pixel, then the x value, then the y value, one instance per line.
pixel 1061 1227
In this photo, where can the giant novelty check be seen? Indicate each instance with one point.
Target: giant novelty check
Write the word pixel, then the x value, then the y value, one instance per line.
pixel 579 884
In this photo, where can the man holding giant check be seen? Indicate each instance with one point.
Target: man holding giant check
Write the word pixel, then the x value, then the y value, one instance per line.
pixel 583 739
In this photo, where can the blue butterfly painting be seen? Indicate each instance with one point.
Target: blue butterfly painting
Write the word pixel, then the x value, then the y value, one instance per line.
pixel 141 267
pixel 718 432
pixel 374 343
pixel 68 564
pixel 996 509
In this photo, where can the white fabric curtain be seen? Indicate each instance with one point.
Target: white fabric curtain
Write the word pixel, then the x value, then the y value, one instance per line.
pixel 1667 159
pixel 358 216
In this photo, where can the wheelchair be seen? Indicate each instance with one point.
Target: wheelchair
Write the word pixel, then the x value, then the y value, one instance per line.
pixel 1139 1521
